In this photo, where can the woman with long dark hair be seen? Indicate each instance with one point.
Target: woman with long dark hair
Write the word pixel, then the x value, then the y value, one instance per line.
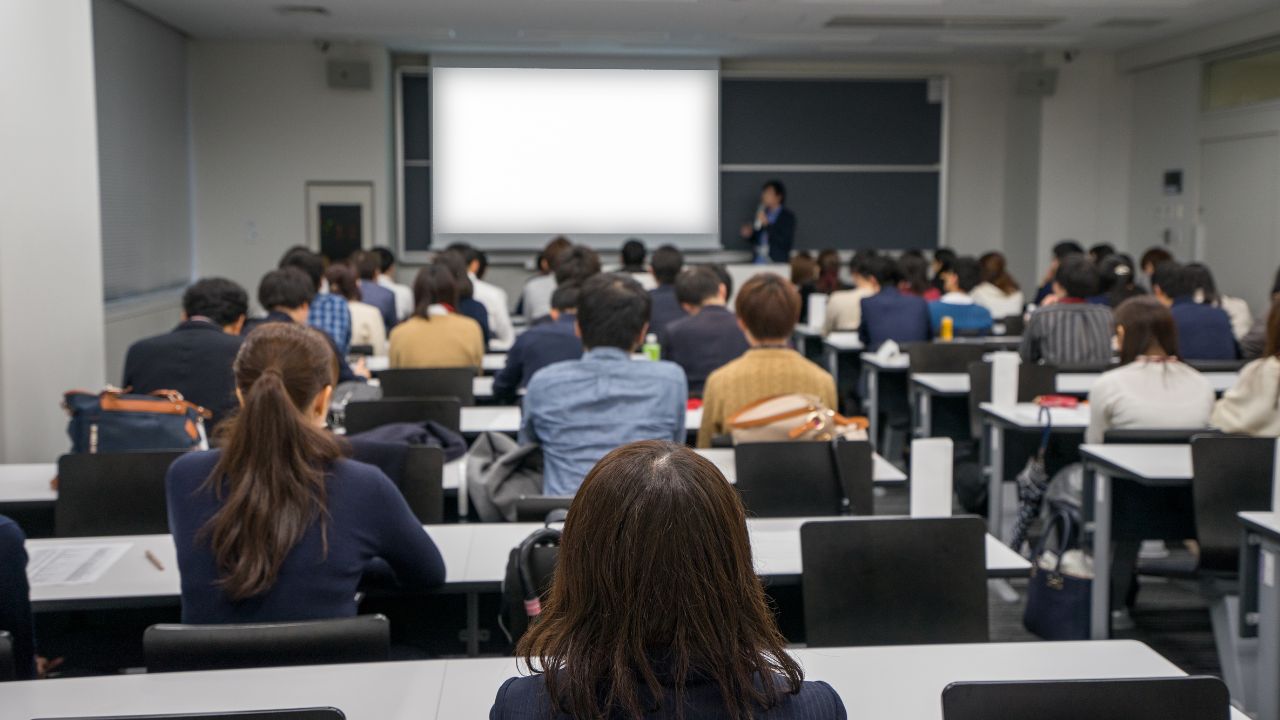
pixel 277 524
pixel 998 292
pixel 655 609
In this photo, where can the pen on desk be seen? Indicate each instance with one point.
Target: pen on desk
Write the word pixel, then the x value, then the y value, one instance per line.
pixel 151 558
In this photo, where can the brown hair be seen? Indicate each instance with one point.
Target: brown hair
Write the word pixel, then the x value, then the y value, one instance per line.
pixel 1146 322
pixel 996 272
pixel 270 477
pixel 1272 348
pixel 803 269
pixel 435 284
pixel 655 580
pixel 768 306
pixel 552 251
pixel 342 281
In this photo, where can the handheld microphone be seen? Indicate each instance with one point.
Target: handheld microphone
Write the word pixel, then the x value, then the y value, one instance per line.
pixel 759 214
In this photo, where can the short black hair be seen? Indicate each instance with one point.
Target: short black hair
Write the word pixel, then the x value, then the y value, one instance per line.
pixel 310 263
pixel 456 262
pixel 696 285
pixel 723 272
pixel 944 256
pixel 1066 248
pixel 882 268
pixel 287 287
pixel 858 263
pixel 565 297
pixel 367 265
pixel 576 264
pixel 612 311
pixel 218 299
pixel 1077 276
pixel 1199 278
pixel 633 253
pixel 1172 279
pixel 967 271
pixel 386 258
pixel 1101 251
pixel 666 262
pixel 778 188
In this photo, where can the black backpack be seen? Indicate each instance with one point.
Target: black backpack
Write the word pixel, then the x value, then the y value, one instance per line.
pixel 528 578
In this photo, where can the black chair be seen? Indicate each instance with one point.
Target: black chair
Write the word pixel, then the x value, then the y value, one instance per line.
pixel 1033 381
pixel 175 648
pixel 288 714
pixel 799 479
pixel 8 663
pixel 1217 365
pixel 1173 698
pixel 112 494
pixel 430 382
pixel 536 508
pixel 1155 436
pixel 941 357
pixel 894 581
pixel 1013 325
pixel 364 350
pixel 1229 475
pixel 362 415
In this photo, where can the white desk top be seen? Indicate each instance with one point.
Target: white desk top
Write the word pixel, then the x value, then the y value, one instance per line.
pixel 895 363
pixel 27 483
pixel 843 341
pixel 882 471
pixel 1067 383
pixel 876 683
pixel 1164 463
pixel 943 383
pixel 1263 522
pixel 806 331
pixel 1026 416
pixel 506 419
pixel 492 362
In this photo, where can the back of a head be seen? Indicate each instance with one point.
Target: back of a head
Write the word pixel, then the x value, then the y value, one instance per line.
pixel 342 281
pixel 857 263
pixel 287 288
pixel 577 264
pixel 633 254
pixel 274 456
pixel 1115 273
pixel 944 257
pixel 1147 323
pixel 456 262
pixel 310 263
pixel 470 254
pixel 435 284
pixel 803 269
pixel 551 252
pixel 914 271
pixel 829 261
pixel 1199 278
pixel 1077 276
pixel 1155 257
pixel 1064 249
pixel 368 264
pixel 881 268
pixel 996 271
pixel 667 262
pixel 221 300
pixel 386 258
pixel 565 297
pixel 1100 252
pixel 726 279
pixel 655 579
pixel 1171 279
pixel 967 271
pixel 613 309
pixel 769 307
pixel 697 284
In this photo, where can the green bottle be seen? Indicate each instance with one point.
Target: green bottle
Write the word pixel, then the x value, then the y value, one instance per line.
pixel 652 349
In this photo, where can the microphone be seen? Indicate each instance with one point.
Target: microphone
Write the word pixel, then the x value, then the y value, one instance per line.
pixel 759 213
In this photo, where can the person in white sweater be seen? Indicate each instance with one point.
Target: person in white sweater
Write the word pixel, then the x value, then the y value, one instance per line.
pixel 998 292
pixel 1252 407
pixel 1151 389
pixel 844 307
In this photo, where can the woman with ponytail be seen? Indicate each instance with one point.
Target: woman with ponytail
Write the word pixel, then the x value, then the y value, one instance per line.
pixel 277 525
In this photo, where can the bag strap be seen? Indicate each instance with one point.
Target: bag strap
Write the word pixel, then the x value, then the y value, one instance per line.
pixel 736 423
pixel 1045 418
pixel 1065 524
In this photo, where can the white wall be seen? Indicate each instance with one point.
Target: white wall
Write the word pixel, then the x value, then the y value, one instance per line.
pixel 50 234
pixel 264 123
pixel 1166 113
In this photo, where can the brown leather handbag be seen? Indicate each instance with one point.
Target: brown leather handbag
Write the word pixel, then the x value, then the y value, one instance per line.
pixel 793 417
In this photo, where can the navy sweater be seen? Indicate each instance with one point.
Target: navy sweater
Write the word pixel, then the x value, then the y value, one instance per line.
pixel 368 523
pixel 15 597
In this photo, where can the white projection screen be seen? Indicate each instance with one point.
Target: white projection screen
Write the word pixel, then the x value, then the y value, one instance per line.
pixel 522 154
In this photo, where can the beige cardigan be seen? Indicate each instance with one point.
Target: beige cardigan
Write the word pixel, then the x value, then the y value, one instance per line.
pixel 443 341
pixel 1253 405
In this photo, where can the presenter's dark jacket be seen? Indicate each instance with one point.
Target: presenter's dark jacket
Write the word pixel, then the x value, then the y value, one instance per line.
pixel 539 346
pixel 1204 331
pixel 664 310
pixel 525 698
pixel 369 527
pixel 890 315
pixel 195 359
pixel 702 343
pixel 15 598
pixel 344 370
pixel 782 236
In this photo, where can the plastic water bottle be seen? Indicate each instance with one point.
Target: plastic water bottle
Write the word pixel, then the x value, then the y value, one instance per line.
pixel 947 331
pixel 652 349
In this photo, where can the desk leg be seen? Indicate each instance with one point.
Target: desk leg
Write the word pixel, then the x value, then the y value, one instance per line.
pixel 473 624
pixel 1100 605
pixel 995 478
pixel 1268 636
pixel 464 499
pixel 873 402
pixel 926 414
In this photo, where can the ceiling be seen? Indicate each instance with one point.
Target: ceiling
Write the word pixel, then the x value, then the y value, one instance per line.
pixel 719 28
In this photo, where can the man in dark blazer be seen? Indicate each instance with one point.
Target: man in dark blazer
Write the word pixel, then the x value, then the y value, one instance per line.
pixel 773 233
pixel 196 357
pixel 541 345
pixel 1204 331
pixel 665 265
pixel 710 336
pixel 890 315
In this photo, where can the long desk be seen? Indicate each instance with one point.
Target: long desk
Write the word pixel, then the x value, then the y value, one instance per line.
pixel 1264 529
pixel 875 683
pixel 490 364
pixel 506 419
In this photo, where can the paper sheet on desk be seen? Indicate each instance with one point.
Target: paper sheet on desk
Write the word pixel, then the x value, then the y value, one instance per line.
pixel 73 564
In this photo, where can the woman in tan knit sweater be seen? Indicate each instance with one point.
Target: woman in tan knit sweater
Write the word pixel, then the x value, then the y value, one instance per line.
pixel 436 336
pixel 768 308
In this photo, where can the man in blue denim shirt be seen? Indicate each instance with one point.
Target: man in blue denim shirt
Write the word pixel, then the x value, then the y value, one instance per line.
pixel 579 410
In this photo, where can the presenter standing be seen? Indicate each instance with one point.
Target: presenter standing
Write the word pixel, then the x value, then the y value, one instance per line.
pixel 774 230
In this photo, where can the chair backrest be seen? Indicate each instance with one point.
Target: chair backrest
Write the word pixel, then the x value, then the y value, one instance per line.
pixel 364 415
pixel 1170 698
pixel 1217 365
pixel 799 479
pixel 535 508
pixel 1154 436
pixel 8 663
pixel 173 648
pixel 1229 475
pixel 423 483
pixel 1013 325
pixel 316 713
pixel 430 382
pixel 112 494
pixel 941 357
pixel 1033 381
pixel 894 581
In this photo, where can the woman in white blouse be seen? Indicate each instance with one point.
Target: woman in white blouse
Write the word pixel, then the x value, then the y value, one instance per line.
pixel 1253 405
pixel 1151 389
pixel 999 292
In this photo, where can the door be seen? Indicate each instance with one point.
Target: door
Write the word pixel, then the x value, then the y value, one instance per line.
pixel 1240 215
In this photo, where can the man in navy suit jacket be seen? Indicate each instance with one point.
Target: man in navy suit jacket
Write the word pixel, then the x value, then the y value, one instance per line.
pixel 773 233
pixel 367 265
pixel 1204 331
pixel 196 357
pixel 541 345
pixel 710 336
pixel 890 315
pixel 666 264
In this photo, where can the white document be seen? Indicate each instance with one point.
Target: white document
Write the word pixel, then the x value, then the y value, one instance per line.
pixel 1004 378
pixel 931 477
pixel 72 564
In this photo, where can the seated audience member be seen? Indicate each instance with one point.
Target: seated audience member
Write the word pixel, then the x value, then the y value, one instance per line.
pixel 278 525
pixel 644 629
pixel 710 336
pixel 913 277
pixel 437 336
pixel 1116 282
pixel 844 308
pixel 1061 252
pixel 15 598
pixel 633 255
pixel 367 326
pixel 942 259
pixel 666 264
pixel 1204 330
pixel 998 292
pixel 581 409
pixel 1152 259
pixel 804 269
pixel 1100 252
pixel 1253 344
pixel 328 312
pixel 1070 331
pixel 541 345
pixel 387 279
pixel 1205 291
pixel 768 309
pixel 195 357
pixel 890 314
pixel 827 281
pixel 1151 389
pixel 492 297
pixel 535 299
pixel 959 278
pixel 467 304
pixel 576 265
pixel 286 295
pixel 1252 407
pixel 367 265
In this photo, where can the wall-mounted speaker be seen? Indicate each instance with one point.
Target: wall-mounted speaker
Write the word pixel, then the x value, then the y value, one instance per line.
pixel 349 74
